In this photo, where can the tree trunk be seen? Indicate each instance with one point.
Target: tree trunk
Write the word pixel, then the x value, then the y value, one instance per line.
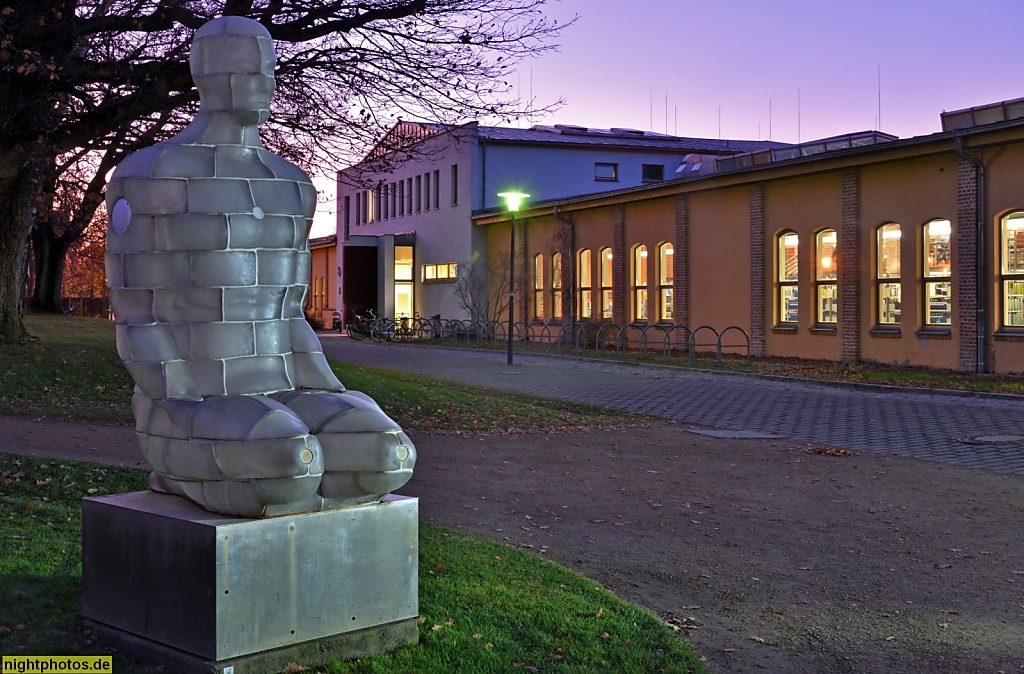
pixel 50 257
pixel 15 223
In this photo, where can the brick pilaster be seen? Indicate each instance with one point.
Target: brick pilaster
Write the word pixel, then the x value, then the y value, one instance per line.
pixel 757 271
pixel 965 272
pixel 620 308
pixel 681 265
pixel 849 268
pixel 568 276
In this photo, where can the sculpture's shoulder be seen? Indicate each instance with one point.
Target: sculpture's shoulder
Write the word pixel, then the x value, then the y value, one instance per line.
pixel 167 159
pixel 282 168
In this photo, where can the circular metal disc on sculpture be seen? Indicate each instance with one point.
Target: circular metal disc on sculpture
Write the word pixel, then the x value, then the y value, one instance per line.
pixel 121 217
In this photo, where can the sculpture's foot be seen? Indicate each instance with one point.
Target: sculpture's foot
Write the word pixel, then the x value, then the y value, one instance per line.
pixel 366 454
pixel 237 455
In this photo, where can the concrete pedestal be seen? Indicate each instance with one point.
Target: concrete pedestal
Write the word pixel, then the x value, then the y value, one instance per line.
pixel 173 584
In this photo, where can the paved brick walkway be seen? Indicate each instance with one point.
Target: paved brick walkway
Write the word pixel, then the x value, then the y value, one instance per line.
pixel 915 424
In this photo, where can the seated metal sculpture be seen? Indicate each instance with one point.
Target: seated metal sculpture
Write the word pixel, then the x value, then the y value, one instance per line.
pixel 208 264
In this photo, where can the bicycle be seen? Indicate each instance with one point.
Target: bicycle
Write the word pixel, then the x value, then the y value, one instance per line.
pixel 382 330
pixel 360 327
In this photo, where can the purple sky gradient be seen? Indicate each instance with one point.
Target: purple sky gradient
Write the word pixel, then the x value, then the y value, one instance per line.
pixel 720 62
pixel 737 55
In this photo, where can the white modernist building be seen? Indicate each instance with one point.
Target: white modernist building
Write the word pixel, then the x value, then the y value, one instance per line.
pixel 404 212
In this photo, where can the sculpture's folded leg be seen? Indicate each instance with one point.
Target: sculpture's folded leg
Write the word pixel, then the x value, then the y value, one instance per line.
pixel 237 455
pixel 366 454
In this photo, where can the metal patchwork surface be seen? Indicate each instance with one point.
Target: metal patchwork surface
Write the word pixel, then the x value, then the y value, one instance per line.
pixel 918 424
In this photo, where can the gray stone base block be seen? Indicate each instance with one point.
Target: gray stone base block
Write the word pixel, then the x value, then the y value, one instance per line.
pixel 161 575
pixel 379 639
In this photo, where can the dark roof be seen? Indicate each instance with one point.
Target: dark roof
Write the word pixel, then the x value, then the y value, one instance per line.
pixel 324 240
pixel 564 134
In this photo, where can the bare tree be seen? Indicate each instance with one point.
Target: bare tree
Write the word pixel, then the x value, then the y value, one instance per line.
pixel 75 73
pixel 483 289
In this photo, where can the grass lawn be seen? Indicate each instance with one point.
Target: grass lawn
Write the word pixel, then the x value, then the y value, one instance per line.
pixel 483 607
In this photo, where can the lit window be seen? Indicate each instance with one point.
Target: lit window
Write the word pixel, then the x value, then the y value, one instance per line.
pixel 605 171
pixel 403 281
pixel 666 277
pixel 1012 270
pixel 556 285
pixel 938 299
pixel 606 282
pixel 887 274
pixel 585 307
pixel 788 264
pixel 640 283
pixel 652 173
pixel 538 285
pixel 825 278
pixel 447 271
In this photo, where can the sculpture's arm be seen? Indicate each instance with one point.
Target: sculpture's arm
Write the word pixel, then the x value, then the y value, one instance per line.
pixel 153 360
pixel 136 274
pixel 311 368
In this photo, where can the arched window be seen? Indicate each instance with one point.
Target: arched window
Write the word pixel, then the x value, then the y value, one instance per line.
pixel 1011 268
pixel 788 276
pixel 538 285
pixel 640 283
pixel 887 274
pixel 938 297
pixel 584 307
pixel 666 277
pixel 556 285
pixel 606 282
pixel 825 278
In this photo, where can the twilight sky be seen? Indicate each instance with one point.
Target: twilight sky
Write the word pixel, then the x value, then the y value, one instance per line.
pixel 737 55
pixel 791 70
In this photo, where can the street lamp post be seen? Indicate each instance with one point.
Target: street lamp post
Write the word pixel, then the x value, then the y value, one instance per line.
pixel 512 200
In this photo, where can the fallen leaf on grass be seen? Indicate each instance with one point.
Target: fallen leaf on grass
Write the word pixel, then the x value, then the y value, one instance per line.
pixel 294 668
pixel 556 656
pixel 758 640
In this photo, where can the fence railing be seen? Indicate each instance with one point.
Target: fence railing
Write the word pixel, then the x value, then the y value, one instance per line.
pixel 665 339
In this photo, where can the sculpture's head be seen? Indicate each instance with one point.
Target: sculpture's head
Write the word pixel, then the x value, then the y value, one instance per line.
pixel 232 63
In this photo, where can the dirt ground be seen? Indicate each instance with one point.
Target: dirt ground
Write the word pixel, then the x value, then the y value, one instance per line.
pixel 765 555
